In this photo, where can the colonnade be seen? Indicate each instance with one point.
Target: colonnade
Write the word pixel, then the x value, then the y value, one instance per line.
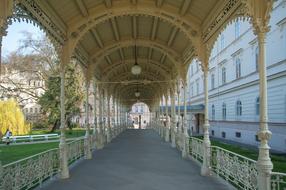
pixel 180 138
pixel 103 128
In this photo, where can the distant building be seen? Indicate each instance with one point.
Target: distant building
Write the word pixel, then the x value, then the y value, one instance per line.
pixel 25 88
pixel 233 84
pixel 140 115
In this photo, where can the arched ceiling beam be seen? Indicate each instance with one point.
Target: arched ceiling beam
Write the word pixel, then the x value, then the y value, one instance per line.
pixel 187 24
pixel 154 65
pixel 148 76
pixel 98 54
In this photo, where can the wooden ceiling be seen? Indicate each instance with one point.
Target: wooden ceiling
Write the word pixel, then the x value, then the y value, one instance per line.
pixel 166 34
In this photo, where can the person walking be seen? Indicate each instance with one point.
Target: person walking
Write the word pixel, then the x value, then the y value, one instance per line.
pixel 8 134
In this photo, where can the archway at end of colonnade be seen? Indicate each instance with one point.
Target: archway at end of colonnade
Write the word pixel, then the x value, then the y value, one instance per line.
pixel 140 115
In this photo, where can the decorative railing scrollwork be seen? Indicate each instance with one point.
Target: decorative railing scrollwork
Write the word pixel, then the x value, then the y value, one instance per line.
pixel 240 171
pixel 75 150
pixel 278 181
pixel 30 172
pixel 196 148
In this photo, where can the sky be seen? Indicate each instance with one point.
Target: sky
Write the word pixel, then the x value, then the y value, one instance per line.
pixel 12 41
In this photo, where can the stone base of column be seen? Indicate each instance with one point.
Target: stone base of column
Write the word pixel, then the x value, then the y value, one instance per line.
pixel 185 152
pixel 206 168
pixel 167 135
pixel 173 139
pixel 64 168
pixel 87 148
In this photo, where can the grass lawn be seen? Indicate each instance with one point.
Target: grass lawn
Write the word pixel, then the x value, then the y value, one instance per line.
pixel 13 153
pixel 279 161
pixel 16 152
pixel 78 132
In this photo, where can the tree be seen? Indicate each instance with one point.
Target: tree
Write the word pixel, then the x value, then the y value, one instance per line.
pixel 12 118
pixel 50 100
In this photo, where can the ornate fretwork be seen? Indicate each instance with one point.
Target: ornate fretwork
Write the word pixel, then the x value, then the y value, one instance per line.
pixel 30 11
pixel 228 9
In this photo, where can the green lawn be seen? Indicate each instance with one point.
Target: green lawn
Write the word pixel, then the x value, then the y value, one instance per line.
pixel 279 161
pixel 16 152
pixel 78 132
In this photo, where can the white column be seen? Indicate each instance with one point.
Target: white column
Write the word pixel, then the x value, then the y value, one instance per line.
pixel 94 114
pixel 64 170
pixel 179 122
pixel 264 164
pixel 100 128
pixel 206 167
pixel 108 135
pixel 173 112
pixel 167 135
pixel 185 136
pixel 87 146
pixel 162 116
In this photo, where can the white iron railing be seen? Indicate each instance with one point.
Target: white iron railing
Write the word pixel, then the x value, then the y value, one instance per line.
pixel 31 171
pixel 240 171
pixel 75 150
pixel 236 169
pixel 278 181
pixel 196 149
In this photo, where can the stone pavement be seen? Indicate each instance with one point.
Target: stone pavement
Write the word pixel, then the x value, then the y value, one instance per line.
pixel 136 160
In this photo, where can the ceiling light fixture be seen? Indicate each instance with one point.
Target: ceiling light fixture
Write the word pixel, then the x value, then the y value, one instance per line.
pixel 136 69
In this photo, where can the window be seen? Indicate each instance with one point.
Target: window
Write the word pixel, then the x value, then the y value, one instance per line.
pixel 192 70
pixel 223 134
pixel 197 66
pixel 223 75
pixel 212 132
pixel 192 89
pixel 198 86
pixel 256 58
pixel 224 111
pixel 36 110
pixel 237 29
pixel 222 41
pixel 257 106
pixel 256 138
pixel 213 112
pixel 238 134
pixel 238 68
pixel 212 81
pixel 238 108
pixel 31 110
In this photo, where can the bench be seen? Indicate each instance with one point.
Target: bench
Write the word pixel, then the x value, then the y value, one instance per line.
pixel 32 137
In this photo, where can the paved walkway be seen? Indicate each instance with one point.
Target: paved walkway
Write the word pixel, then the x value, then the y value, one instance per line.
pixel 137 160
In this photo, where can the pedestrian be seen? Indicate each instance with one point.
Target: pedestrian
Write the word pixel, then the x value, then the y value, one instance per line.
pixel 8 134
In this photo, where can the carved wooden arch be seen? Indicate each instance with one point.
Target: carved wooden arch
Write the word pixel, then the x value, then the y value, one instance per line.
pixel 162 48
pixel 155 44
pixel 128 61
pixel 149 76
pixel 116 87
pixel 79 28
pixel 108 73
pixel 246 10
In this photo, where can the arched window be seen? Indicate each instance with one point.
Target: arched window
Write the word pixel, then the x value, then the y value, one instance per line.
pixel 237 29
pixel 222 41
pixel 238 68
pixel 256 58
pixel 224 111
pixel 212 81
pixel 257 106
pixel 238 108
pixel 223 75
pixel 213 112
